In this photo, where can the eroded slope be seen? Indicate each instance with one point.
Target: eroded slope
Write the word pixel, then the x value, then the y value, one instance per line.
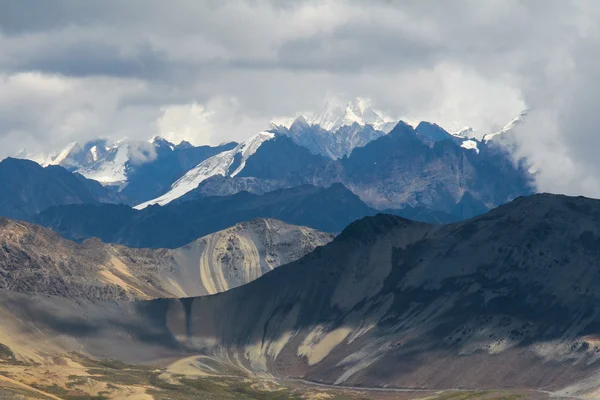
pixel 35 259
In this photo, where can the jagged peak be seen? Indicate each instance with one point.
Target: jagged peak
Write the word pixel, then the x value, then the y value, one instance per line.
pixel 427 123
pixel 294 125
pixel 19 161
pixel 508 127
pixel 404 127
pixel 432 132
pixel 300 121
pixel 338 112
pixel 160 141
pixel 184 144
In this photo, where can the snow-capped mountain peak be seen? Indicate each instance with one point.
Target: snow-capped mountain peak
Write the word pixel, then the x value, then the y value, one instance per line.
pixel 105 160
pixel 338 128
pixel 160 141
pixel 249 147
pixel 220 164
pixel 508 127
pixel 110 168
pixel 338 113
pixel 75 155
pixel 467 132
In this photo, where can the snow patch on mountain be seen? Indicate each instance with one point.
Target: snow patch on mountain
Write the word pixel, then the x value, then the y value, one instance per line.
pixel 110 170
pixel 77 155
pixel 470 145
pixel 94 152
pixel 507 128
pixel 63 154
pixel 215 165
pixel 104 160
pixel 467 132
pixel 249 147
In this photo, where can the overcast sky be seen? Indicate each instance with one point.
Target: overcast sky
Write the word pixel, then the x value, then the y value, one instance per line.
pixel 210 71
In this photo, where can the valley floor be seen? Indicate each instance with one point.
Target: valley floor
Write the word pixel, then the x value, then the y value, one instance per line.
pixel 76 377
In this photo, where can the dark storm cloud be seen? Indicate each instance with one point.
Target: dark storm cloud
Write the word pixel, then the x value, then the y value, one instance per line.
pixel 88 59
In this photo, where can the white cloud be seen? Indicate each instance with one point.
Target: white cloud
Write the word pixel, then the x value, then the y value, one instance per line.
pixel 141 152
pixel 190 122
pixel 41 110
pixel 220 120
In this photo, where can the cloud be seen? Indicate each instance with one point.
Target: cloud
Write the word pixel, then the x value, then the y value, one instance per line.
pixel 185 122
pixel 561 136
pixel 38 111
pixel 141 152
pixel 220 119
pixel 209 71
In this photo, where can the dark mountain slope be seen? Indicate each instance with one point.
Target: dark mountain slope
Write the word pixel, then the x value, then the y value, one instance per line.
pixel 26 188
pixel 432 132
pixel 327 209
pixel 277 158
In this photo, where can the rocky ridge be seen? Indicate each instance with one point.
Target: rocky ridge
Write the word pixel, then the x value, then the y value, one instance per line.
pixel 35 259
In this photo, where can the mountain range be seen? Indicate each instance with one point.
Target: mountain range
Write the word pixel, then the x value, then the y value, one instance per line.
pixel 423 167
pixel 138 170
pixel 404 168
pixel 505 300
pixel 328 209
pixel 388 164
